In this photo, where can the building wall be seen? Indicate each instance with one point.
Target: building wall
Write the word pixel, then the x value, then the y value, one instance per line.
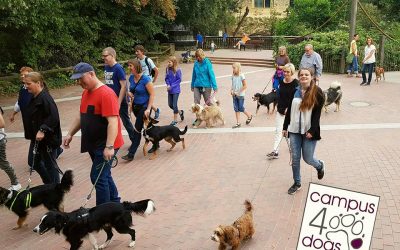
pixel 278 6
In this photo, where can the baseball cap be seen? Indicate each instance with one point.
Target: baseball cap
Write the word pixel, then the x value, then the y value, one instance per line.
pixel 80 69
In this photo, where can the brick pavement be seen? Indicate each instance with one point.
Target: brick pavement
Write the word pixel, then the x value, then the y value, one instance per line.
pixel 206 184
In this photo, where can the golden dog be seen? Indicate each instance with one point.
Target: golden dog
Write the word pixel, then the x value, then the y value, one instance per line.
pixel 242 228
pixel 209 114
pixel 379 72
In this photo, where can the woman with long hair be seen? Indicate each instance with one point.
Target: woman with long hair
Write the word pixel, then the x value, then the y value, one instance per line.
pixel 173 79
pixel 302 126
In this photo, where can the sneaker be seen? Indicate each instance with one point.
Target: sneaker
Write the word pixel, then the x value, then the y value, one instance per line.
pixel 157 114
pixel 15 187
pixel 173 123
pixel 236 126
pixel 361 84
pixel 196 123
pixel 321 171
pixel 154 148
pixel 181 115
pixel 294 188
pixel 273 155
pixel 127 157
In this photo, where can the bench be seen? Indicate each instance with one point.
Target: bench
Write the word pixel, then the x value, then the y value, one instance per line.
pixel 256 44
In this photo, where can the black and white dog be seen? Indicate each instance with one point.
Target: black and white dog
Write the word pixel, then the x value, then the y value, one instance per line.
pixel 82 222
pixel 266 100
pixel 49 195
pixel 333 95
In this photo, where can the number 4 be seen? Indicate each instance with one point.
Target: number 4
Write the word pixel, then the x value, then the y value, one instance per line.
pixel 321 227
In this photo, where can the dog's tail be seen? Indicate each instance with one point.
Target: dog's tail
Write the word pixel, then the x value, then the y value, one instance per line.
pixel 143 207
pixel 67 181
pixel 248 205
pixel 184 131
pixel 335 85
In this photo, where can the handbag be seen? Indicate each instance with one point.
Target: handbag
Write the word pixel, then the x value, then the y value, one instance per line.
pixel 349 58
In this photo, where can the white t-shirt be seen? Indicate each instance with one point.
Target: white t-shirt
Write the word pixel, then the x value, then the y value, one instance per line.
pixel 368 50
pixel 146 70
pixel 237 84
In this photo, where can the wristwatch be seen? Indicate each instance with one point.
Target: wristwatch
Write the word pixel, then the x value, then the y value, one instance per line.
pixel 110 147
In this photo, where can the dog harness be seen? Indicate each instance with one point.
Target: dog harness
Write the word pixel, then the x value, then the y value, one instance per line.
pixel 28 200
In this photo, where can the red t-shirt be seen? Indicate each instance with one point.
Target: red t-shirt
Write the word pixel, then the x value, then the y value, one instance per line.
pixel 96 105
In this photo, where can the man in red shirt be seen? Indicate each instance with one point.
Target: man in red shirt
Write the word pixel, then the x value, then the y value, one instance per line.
pixel 101 130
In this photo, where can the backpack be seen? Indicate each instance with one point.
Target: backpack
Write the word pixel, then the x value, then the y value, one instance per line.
pixel 152 72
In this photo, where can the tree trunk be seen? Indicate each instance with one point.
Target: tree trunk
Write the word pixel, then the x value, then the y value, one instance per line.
pixel 241 21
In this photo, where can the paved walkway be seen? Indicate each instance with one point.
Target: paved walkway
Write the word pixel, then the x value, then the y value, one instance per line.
pixel 205 185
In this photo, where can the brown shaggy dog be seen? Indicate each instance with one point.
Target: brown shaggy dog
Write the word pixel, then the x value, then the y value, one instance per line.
pixel 233 235
pixel 209 114
pixel 379 72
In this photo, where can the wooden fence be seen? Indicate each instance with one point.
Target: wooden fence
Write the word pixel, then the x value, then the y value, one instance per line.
pixel 231 41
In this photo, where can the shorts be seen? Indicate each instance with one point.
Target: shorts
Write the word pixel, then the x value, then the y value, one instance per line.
pixel 238 103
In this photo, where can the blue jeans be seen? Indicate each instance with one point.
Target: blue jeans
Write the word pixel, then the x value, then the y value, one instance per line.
pixel 367 67
pixel 106 190
pixel 353 65
pixel 137 132
pixel 173 102
pixel 298 144
pixel 123 113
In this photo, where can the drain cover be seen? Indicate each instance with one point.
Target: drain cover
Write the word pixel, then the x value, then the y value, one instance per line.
pixel 359 104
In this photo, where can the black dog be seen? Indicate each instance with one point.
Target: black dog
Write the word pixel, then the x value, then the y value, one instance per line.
pixel 266 100
pixel 82 222
pixel 50 195
pixel 155 134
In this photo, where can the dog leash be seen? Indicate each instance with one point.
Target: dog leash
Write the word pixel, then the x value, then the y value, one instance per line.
pixel 267 85
pixel 209 99
pixel 34 152
pixel 94 185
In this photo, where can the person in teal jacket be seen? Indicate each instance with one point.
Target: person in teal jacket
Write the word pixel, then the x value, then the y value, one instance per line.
pixel 203 79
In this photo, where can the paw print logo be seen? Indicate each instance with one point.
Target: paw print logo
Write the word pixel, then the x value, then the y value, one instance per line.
pixel 347 229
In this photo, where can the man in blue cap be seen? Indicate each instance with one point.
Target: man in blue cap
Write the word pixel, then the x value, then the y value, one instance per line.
pixel 101 130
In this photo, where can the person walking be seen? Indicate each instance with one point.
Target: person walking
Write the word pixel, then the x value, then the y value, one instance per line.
pixel 311 60
pixel 238 92
pixel 115 78
pixel 203 80
pixel 280 61
pixel 149 69
pixel 368 62
pixel 142 91
pixel 42 128
pixel 100 128
pixel 287 88
pixel 302 126
pixel 4 163
pixel 353 66
pixel 199 40
pixel 212 46
pixel 173 79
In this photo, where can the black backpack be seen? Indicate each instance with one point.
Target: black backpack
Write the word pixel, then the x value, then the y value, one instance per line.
pixel 152 72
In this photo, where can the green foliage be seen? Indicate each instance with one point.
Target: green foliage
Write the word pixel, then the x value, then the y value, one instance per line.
pixel 46 34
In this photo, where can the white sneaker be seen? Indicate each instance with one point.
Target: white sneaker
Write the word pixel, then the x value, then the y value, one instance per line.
pixel 15 187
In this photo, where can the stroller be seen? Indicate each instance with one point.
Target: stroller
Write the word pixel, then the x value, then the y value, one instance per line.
pixel 186 57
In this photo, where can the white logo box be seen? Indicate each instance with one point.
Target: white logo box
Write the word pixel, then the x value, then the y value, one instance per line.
pixel 337 219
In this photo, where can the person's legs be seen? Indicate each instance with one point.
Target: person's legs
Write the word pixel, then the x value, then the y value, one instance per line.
pixel 175 106
pixel 170 101
pixel 355 65
pixel 370 70
pixel 196 95
pixel 111 184
pixel 123 113
pixel 101 171
pixel 5 164
pixel 37 159
pixel 279 119
pixel 308 153
pixel 137 136
pixel 364 68
pixel 49 156
pixel 207 95
pixel 296 147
